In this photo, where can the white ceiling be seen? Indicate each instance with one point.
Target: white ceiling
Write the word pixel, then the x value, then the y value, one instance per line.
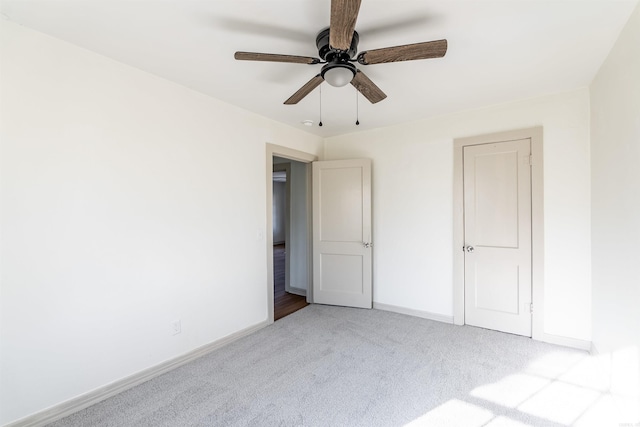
pixel 499 50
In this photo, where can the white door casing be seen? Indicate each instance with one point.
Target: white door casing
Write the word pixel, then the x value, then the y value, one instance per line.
pixel 497 236
pixel 342 252
pixel 300 156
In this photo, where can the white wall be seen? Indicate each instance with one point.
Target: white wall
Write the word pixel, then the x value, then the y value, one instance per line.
pixel 299 245
pixel 615 164
pixel 413 205
pixel 118 217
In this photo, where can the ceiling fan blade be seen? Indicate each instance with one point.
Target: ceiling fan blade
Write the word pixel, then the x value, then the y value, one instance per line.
pixel 368 88
pixel 344 14
pixel 272 57
pixel 304 90
pixel 408 52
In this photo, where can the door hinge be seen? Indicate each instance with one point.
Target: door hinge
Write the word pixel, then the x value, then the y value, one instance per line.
pixel 531 308
pixel 530 159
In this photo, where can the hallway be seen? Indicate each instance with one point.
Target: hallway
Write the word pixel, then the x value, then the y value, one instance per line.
pixel 284 303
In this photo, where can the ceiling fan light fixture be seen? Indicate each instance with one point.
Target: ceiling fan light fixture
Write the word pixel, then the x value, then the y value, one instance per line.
pixel 338 74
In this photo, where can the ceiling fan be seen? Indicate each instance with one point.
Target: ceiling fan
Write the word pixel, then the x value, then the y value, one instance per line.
pixel 337 48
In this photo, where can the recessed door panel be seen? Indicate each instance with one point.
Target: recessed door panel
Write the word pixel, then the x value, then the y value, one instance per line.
pixel 341 273
pixel 497 286
pixel 496 212
pixel 341 211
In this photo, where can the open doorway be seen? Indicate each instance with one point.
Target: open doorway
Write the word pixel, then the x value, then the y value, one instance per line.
pixel 290 234
pixel 305 159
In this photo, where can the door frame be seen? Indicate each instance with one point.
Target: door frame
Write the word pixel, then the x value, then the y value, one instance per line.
pixel 302 157
pixel 537 222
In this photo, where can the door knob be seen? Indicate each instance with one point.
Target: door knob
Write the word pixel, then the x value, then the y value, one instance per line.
pixel 367 244
pixel 470 249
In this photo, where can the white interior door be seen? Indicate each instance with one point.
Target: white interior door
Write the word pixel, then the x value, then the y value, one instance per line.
pixel 342 252
pixel 497 233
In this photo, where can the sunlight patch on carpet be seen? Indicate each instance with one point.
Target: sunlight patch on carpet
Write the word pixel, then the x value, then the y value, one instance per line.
pixel 454 413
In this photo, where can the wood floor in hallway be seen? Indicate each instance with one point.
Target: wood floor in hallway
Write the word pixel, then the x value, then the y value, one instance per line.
pixel 284 303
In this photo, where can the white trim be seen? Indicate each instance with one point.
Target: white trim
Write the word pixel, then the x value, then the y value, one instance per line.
pixel 291 154
pixel 309 234
pixel 537 232
pixel 537 228
pixel 85 400
pixel 411 312
pixel 458 236
pixel 548 338
pixel 593 350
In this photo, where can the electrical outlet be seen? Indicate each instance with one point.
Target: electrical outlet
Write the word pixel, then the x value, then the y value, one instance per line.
pixel 176 328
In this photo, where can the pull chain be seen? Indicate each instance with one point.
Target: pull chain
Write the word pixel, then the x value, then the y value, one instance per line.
pixel 357 110
pixel 320 123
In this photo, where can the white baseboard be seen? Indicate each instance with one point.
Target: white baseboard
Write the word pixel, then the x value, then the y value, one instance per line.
pixel 412 312
pixel 83 401
pixel 564 341
pixel 549 338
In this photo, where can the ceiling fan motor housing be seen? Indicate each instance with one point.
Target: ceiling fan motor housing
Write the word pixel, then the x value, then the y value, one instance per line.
pixel 327 53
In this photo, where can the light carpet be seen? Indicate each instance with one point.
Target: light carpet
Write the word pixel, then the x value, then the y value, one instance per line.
pixel 335 366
